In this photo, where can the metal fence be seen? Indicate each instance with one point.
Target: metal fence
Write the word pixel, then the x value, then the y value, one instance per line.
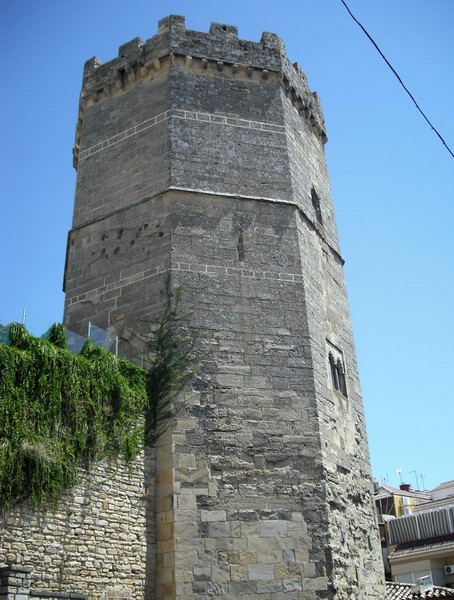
pixel 39 327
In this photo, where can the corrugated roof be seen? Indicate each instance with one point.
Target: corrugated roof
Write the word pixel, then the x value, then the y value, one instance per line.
pixel 404 591
pixel 448 501
pixel 423 525
pixel 423 547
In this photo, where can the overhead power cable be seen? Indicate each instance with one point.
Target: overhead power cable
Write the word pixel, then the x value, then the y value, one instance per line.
pixel 399 79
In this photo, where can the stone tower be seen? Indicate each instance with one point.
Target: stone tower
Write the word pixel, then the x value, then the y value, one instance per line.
pixel 201 156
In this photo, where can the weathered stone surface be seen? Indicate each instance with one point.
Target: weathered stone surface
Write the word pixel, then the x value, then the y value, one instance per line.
pixel 201 156
pixel 219 149
pixel 95 538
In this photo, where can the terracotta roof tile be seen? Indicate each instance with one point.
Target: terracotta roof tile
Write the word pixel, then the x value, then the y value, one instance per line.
pixel 405 591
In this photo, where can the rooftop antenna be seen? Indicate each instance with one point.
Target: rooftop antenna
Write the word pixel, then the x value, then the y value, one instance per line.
pixel 399 474
pixel 422 479
pixel 416 476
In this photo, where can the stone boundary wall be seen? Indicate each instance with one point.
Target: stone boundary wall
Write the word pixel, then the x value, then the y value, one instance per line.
pixel 99 538
pixel 15 585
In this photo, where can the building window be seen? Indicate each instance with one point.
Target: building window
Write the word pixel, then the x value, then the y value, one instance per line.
pixel 337 374
pixel 316 205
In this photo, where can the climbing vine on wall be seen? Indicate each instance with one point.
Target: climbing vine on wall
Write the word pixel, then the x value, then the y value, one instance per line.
pixel 60 411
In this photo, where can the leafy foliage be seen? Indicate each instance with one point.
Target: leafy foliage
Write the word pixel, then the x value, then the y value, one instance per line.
pixel 4 334
pixel 173 349
pixel 59 411
pixel 56 335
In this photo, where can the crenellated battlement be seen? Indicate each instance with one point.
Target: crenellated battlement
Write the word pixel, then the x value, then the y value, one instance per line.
pixel 220 43
pixel 218 51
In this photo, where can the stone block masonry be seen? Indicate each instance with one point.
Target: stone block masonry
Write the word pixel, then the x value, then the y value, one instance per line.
pixel 200 156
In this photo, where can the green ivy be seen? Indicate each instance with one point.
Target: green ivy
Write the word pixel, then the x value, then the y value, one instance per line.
pixel 61 411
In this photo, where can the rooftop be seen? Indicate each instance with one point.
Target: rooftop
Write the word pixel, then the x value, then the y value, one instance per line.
pixel 432 504
pixel 406 591
pixel 383 491
pixel 424 547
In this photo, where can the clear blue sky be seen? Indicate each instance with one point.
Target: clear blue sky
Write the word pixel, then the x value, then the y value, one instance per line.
pixel 392 180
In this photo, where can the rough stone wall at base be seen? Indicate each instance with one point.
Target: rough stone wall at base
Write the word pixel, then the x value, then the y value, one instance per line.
pixel 98 539
pixel 15 584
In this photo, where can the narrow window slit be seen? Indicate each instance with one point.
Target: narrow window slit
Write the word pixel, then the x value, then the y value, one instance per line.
pixel 316 205
pixel 338 375
pixel 240 246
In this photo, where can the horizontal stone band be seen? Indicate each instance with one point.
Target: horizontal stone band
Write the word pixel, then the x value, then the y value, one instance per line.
pixel 181 114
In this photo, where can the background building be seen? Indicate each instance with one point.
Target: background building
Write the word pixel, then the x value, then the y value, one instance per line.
pixel 417 532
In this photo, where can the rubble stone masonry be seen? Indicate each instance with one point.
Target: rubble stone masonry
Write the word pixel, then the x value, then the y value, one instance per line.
pixel 96 540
